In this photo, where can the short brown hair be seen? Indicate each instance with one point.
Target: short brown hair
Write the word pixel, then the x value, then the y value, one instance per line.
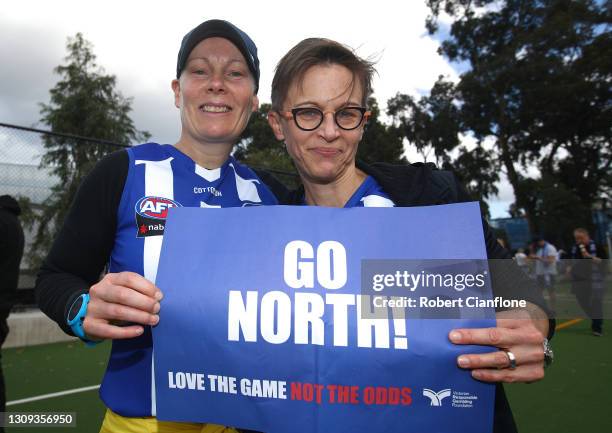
pixel 318 51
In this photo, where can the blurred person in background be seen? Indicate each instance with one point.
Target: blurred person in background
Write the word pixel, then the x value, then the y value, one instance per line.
pixel 545 258
pixel 587 269
pixel 11 251
pixel 522 260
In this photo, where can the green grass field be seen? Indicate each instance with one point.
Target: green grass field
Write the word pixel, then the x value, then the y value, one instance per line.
pixel 573 398
pixel 49 368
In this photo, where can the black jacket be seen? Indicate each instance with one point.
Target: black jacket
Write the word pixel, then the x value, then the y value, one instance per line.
pixel 11 250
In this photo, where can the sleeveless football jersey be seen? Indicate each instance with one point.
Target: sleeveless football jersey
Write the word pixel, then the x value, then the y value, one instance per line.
pixel 369 194
pixel 161 177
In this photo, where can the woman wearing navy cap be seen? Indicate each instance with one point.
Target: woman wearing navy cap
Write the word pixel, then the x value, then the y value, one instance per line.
pixel 118 220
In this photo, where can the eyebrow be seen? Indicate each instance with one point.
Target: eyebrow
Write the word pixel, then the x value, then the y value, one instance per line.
pixel 241 61
pixel 230 61
pixel 346 104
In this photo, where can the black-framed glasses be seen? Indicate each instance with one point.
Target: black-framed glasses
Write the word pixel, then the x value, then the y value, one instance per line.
pixel 310 118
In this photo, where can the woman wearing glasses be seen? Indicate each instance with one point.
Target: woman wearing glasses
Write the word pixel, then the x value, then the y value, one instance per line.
pixel 318 110
pixel 319 95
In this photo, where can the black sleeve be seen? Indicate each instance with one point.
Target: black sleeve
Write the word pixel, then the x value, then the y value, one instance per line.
pixel 279 190
pixel 507 279
pixel 11 250
pixel 85 241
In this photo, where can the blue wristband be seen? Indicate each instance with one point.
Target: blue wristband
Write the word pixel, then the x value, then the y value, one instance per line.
pixel 75 318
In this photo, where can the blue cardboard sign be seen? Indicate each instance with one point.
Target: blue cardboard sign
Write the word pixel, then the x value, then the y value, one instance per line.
pixel 265 324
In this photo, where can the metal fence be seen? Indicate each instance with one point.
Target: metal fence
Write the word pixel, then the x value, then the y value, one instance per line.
pixel 21 150
pixel 22 176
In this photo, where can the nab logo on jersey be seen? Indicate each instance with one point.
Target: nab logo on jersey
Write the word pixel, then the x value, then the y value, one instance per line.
pixel 151 214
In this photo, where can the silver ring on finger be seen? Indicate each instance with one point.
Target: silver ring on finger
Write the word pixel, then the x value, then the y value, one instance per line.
pixel 511 359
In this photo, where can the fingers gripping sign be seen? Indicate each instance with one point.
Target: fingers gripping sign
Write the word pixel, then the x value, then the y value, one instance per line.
pixel 124 297
pixel 520 357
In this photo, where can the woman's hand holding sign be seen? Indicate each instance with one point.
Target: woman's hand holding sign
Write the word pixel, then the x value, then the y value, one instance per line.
pixel 121 297
pixel 520 338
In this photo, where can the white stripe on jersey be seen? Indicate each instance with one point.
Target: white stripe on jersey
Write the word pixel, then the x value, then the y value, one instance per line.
pixel 159 182
pixel 247 191
pixel 211 206
pixel 209 175
pixel 376 201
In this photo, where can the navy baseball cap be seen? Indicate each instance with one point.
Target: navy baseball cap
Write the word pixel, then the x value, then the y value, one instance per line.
pixel 222 29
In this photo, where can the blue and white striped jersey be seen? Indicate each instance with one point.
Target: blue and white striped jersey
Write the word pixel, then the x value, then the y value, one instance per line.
pixel 369 194
pixel 161 177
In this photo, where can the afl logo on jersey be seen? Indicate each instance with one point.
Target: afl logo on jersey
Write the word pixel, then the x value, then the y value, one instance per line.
pixel 155 207
pixel 151 214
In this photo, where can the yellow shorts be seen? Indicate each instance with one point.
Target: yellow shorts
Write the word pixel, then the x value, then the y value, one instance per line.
pixel 114 423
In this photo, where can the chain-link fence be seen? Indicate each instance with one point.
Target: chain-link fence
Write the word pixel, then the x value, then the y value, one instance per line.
pixel 23 177
pixel 20 172
pixel 21 152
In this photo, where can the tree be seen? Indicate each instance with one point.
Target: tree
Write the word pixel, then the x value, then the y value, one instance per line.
pixel 380 142
pixel 559 210
pixel 430 124
pixel 259 148
pixel 538 86
pixel 433 124
pixel 84 102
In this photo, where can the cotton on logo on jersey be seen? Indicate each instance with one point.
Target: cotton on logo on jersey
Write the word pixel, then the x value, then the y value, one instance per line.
pixel 151 214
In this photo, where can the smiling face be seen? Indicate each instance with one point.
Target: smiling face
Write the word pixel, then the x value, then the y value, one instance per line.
pixel 215 94
pixel 327 153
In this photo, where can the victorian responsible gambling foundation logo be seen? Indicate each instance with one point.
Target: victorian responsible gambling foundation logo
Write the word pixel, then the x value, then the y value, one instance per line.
pixel 436 397
pixel 459 399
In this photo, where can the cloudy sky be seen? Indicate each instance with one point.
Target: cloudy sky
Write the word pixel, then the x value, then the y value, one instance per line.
pixel 138 42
